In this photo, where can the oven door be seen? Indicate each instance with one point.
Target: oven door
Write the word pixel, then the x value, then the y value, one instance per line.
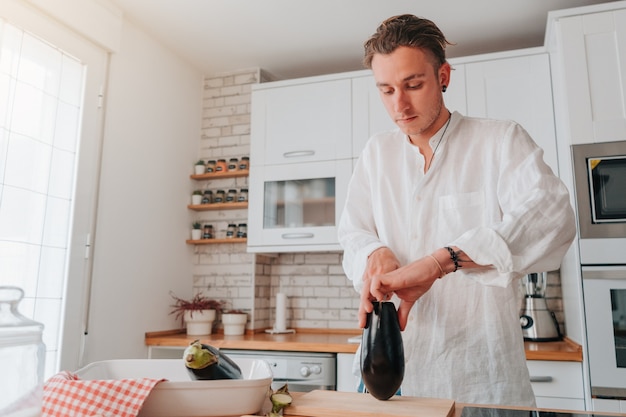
pixel 604 289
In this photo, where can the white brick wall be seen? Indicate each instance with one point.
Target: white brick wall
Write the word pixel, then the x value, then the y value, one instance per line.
pixel 319 294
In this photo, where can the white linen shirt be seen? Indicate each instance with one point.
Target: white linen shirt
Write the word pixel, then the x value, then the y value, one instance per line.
pixel 489 192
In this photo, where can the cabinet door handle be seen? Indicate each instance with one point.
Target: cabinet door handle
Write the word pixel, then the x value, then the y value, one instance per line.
pixel 297 235
pixel 540 379
pixel 295 154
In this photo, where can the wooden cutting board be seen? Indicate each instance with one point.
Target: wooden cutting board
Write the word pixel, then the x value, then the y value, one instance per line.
pixel 341 404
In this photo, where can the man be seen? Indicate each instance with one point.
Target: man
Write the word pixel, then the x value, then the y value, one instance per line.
pixel 448 213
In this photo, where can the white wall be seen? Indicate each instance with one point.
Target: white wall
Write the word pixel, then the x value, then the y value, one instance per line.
pixel 152 128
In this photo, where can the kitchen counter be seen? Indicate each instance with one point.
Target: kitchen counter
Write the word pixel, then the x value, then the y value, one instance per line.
pixel 331 341
pixel 457 410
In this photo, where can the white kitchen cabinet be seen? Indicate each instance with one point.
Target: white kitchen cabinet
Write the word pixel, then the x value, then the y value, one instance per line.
pixel 557 384
pixel 295 209
pixel 301 121
pixel 593 57
pixel 515 88
pixel 346 381
pixel 368 113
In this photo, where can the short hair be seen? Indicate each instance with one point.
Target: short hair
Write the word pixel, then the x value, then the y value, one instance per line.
pixel 407 30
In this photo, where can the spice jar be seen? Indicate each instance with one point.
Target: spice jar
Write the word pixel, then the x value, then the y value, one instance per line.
pixel 242 230
pixel 208 231
pixel 220 165
pixel 231 197
pixel 231 231
pixel 233 164
pixel 210 166
pixel 207 197
pixel 245 163
pixel 22 357
pixel 243 195
pixel 220 196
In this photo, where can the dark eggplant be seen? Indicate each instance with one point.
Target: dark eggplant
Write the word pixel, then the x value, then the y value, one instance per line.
pixel 207 362
pixel 382 352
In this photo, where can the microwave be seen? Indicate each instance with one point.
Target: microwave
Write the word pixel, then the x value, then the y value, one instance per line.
pixel 600 188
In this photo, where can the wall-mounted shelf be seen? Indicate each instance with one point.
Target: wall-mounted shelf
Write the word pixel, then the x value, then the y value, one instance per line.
pixel 240 173
pixel 220 175
pixel 218 206
pixel 214 241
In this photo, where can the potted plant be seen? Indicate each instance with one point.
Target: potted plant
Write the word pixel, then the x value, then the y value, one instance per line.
pixel 234 322
pixel 196 197
pixel 197 313
pixel 196 231
pixel 199 167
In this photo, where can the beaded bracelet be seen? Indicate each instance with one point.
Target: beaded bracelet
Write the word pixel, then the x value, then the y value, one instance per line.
pixel 454 257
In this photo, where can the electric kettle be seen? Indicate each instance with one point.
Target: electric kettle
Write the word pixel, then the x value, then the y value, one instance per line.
pixel 538 323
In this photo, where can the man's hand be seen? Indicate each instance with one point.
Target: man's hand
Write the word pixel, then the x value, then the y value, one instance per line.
pixel 381 261
pixel 409 283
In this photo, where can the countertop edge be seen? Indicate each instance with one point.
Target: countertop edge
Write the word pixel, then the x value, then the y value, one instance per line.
pixel 333 341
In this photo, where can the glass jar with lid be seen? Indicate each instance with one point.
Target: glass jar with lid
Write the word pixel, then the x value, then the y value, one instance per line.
pixel 231 231
pixel 220 165
pixel 22 357
pixel 207 232
pixel 231 196
pixel 210 166
pixel 244 164
pixel 220 196
pixel 207 197
pixel 233 164
pixel 242 230
pixel 243 195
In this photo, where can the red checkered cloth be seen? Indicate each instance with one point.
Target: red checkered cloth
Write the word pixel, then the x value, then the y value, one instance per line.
pixel 66 395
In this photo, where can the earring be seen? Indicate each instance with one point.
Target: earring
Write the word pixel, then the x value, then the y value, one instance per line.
pixel 444 88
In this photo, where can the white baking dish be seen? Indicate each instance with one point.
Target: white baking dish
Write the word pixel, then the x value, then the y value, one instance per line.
pixel 180 396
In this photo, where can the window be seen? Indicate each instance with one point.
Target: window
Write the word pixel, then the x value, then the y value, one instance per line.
pixel 49 153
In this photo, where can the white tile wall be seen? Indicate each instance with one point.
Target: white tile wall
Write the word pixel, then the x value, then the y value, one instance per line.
pixel 319 294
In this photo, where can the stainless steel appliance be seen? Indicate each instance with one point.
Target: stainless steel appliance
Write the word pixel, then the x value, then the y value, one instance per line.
pixel 302 371
pixel 538 323
pixel 604 291
pixel 600 179
pixel 600 182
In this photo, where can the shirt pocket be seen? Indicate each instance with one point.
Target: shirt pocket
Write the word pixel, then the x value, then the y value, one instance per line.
pixel 458 213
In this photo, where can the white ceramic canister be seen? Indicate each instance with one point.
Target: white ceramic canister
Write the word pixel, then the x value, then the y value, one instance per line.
pixel 22 356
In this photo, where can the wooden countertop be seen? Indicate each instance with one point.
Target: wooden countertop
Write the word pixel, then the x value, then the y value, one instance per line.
pixel 458 408
pixel 304 340
pixel 332 341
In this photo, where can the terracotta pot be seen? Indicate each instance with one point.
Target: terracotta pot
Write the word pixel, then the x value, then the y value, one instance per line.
pixel 199 322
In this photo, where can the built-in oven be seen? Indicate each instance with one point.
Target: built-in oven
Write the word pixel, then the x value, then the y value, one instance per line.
pixel 301 371
pixel 604 291
pixel 600 188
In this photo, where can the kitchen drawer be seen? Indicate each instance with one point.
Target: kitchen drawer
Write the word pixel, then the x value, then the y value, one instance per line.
pixel 557 403
pixel 558 379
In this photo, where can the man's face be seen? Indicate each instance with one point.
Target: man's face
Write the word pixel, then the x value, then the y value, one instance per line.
pixel 410 89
